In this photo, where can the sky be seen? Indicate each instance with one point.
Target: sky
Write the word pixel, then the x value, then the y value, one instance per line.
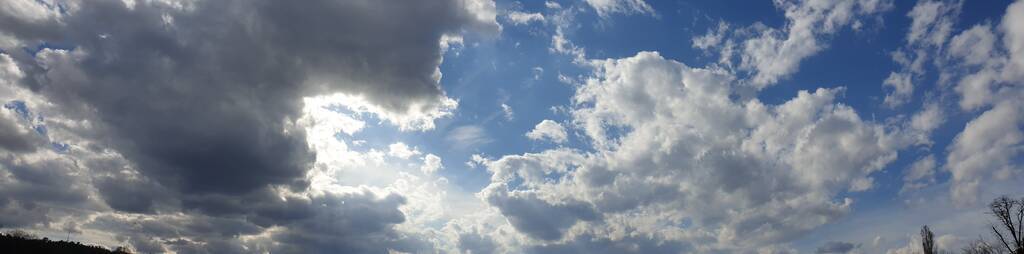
pixel 482 126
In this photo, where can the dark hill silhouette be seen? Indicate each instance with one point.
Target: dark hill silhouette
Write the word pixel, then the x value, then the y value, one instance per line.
pixel 19 242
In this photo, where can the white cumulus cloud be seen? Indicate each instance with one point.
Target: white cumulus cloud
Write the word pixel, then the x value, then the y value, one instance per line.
pixel 549 130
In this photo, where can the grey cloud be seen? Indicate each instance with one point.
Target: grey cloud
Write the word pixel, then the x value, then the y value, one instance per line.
pixel 46 180
pixel 354 223
pixel 539 218
pixel 631 244
pixel 143 244
pixel 836 247
pixel 19 214
pixel 191 110
pixel 14 137
pixel 329 223
pixel 32 193
pixel 199 97
pixel 37 184
pixel 130 194
pixel 474 243
pixel 174 230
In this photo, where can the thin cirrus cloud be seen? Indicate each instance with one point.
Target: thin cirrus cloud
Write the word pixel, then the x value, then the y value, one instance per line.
pixel 353 126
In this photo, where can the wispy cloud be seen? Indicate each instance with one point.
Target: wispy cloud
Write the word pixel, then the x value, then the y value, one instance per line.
pixel 468 137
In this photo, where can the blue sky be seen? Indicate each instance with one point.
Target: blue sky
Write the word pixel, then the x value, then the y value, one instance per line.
pixel 620 126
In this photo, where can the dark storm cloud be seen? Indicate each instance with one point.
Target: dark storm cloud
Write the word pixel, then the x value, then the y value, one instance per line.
pixel 33 192
pixel 198 96
pixel 200 99
pixel 130 194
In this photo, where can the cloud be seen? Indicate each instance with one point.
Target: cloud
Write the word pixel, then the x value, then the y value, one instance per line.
pixel 401 150
pixel 931 25
pixel 978 63
pixel 986 150
pixel 537 72
pixel 932 21
pixel 562 45
pixel 538 218
pixel 16 131
pixel 358 222
pixel 233 124
pixel 361 106
pixel 920 174
pixel 431 164
pixel 507 112
pixel 990 72
pixel 605 8
pixel 902 87
pixel 9 71
pixel 836 247
pixel 673 150
pixel 770 54
pixel 523 18
pixel 552 5
pixel 550 130
pixel 928 119
pixel 473 243
pixel 114 201
pixel 230 127
pixel 185 126
pixel 1013 38
pixel 469 136
pixel 16 137
pixel 42 166
pixel 597 244
pixel 974 46
pixel 355 223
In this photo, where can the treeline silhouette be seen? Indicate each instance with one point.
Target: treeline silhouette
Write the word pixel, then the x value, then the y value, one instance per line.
pixel 1008 231
pixel 21 242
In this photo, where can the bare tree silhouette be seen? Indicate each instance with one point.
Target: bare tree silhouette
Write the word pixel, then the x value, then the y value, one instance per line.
pixel 979 246
pixel 1010 227
pixel 927 240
